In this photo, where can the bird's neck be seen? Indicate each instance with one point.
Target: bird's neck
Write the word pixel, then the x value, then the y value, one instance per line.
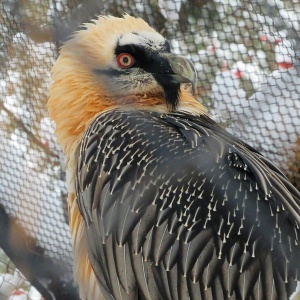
pixel 78 109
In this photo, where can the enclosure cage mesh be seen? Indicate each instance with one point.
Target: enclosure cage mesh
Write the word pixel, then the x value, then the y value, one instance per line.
pixel 246 54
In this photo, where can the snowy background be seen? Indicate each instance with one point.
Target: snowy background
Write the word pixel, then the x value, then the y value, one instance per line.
pixel 247 57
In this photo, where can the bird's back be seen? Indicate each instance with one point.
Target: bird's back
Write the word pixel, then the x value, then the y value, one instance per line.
pixel 176 208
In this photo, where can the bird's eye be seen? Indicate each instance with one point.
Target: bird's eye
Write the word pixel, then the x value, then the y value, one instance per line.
pixel 125 60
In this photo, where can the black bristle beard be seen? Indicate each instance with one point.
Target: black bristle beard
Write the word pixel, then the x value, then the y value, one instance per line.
pixel 172 93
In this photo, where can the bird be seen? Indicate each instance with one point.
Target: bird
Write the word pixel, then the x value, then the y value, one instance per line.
pixel 163 202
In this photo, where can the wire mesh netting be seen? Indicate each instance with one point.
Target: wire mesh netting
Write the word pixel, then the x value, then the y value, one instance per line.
pixel 247 57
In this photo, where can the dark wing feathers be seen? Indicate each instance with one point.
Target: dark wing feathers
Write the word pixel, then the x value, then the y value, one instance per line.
pixel 177 208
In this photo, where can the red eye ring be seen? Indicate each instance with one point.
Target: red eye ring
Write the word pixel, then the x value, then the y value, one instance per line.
pixel 125 60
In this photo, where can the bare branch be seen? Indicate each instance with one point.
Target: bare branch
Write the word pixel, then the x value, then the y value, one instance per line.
pixel 30 135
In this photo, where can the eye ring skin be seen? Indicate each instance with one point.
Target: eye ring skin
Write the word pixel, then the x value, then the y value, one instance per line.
pixel 125 60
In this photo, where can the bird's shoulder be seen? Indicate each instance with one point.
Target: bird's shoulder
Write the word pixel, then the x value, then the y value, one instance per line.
pixel 153 157
pixel 178 190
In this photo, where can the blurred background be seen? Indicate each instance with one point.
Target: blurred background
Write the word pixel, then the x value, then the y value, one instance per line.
pixel 247 54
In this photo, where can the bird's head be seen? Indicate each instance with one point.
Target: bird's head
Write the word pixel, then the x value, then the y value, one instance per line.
pixel 112 62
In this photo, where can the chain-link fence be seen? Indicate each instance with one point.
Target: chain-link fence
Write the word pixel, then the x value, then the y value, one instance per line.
pixel 247 57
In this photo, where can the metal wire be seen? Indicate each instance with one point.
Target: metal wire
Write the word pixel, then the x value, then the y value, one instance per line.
pixel 247 57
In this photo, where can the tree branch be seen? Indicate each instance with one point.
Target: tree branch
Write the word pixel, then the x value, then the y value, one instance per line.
pixel 45 274
pixel 30 135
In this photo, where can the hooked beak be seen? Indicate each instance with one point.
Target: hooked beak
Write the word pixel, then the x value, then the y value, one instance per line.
pixel 172 71
pixel 184 70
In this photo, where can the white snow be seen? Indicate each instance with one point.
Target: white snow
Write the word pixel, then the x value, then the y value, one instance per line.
pixel 270 119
